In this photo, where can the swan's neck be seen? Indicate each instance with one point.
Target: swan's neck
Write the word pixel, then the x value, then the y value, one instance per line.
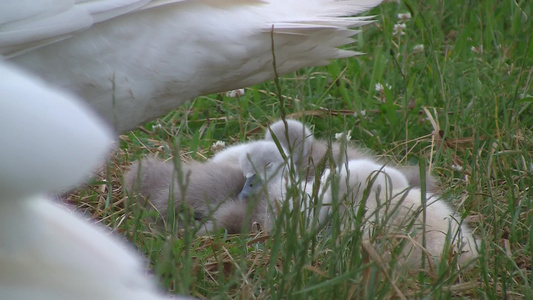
pixel 19 224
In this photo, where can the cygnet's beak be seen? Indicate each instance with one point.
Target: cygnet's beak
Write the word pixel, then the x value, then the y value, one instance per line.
pixel 252 184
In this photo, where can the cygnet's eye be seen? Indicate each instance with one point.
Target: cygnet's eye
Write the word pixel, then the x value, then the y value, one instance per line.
pixel 253 181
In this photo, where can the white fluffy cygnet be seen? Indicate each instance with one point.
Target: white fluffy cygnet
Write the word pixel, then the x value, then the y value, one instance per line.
pixel 444 231
pixel 390 205
pixel 271 173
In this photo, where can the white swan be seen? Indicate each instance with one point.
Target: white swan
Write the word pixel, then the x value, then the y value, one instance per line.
pixel 134 60
pixel 50 143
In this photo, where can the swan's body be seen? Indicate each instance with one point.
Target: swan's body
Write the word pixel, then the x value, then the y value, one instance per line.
pixel 51 143
pixel 310 152
pixel 134 60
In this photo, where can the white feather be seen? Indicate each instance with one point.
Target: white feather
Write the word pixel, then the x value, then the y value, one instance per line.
pixel 140 60
pixel 50 142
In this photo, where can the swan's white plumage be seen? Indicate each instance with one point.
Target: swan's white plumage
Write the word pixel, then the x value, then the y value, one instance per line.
pixel 30 24
pixel 50 142
pixel 138 60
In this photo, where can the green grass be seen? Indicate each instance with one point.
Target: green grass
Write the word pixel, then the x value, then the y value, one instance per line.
pixel 462 106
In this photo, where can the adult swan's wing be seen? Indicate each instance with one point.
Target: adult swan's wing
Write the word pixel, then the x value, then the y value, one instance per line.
pixel 140 61
pixel 29 24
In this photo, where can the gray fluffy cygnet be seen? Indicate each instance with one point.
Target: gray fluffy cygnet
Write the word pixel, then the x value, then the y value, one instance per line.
pixel 219 192
pixel 210 189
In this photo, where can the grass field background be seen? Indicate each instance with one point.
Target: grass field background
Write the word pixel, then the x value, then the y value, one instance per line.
pixel 460 104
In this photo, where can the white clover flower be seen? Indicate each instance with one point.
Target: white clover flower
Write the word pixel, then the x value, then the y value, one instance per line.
pixel 380 88
pixel 218 145
pixel 361 113
pixel 405 16
pixel 477 49
pixel 456 167
pixel 341 135
pixel 398 29
pixel 418 48
pixel 235 93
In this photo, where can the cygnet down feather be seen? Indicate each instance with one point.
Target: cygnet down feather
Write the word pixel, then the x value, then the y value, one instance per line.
pixel 210 189
pixel 308 152
pixel 204 186
pixel 270 172
pixel 442 231
pixel 264 167
pixel 399 210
